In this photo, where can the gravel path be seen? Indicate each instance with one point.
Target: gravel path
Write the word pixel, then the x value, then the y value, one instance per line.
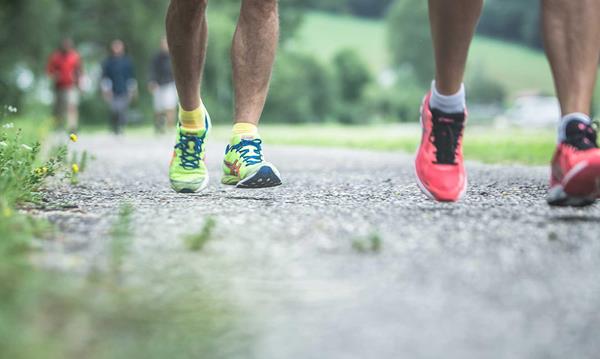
pixel 499 275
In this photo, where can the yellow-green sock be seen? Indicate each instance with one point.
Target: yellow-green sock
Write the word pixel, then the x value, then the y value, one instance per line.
pixel 243 128
pixel 192 120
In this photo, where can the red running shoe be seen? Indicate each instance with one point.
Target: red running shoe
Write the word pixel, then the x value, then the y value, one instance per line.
pixel 575 179
pixel 439 164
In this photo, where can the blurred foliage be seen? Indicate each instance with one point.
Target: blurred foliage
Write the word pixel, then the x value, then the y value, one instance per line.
pixel 41 24
pixel 399 102
pixel 352 75
pixel 301 90
pixel 484 89
pixel 512 20
pixel 410 40
pixel 305 88
pixel 365 8
pixel 352 79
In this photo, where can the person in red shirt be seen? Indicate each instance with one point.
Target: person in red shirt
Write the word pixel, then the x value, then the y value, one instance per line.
pixel 64 68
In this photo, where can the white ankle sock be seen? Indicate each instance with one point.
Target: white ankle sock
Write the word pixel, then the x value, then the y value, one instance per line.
pixel 562 127
pixel 449 104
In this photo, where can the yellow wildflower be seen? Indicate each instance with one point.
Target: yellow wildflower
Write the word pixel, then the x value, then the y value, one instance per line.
pixel 41 171
pixel 75 168
pixel 73 137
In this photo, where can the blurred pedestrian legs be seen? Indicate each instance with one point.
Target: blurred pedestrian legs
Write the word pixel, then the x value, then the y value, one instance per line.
pixel 119 86
pixel 162 87
pixel 65 69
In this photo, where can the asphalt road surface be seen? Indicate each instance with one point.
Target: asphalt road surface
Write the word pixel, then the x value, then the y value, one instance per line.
pixel 498 275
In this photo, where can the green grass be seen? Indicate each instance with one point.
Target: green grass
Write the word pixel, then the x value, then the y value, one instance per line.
pixel 45 314
pixel 516 67
pixel 482 143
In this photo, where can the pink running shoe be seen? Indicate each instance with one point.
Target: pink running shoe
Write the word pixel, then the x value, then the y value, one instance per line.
pixel 439 163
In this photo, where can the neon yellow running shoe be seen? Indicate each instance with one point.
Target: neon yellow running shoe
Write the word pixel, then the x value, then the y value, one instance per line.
pixel 187 172
pixel 244 165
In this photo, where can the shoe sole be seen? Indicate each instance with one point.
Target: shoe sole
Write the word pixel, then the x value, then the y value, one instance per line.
pixel 557 197
pixel 580 187
pixel 189 187
pixel 265 177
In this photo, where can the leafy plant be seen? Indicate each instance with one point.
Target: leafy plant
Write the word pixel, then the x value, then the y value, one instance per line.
pixel 21 174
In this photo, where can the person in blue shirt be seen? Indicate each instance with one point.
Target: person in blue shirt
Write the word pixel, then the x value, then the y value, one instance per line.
pixel 118 84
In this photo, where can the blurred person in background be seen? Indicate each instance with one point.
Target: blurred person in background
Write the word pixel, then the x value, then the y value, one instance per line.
pixel 162 87
pixel 572 42
pixel 118 84
pixel 253 54
pixel 64 68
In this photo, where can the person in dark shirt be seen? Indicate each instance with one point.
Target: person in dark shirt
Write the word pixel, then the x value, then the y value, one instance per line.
pixel 119 86
pixel 162 87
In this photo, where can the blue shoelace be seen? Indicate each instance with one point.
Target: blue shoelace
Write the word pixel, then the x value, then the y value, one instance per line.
pixel 244 147
pixel 190 157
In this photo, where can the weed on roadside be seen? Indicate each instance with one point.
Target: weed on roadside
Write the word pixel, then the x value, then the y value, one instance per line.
pixel 78 163
pixel 196 242
pixel 121 237
pixel 21 173
pixel 46 314
pixel 371 244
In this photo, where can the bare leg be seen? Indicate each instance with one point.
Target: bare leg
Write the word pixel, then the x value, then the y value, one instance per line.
pixel 59 109
pixel 572 41
pixel 187 33
pixel 159 122
pixel 170 118
pixel 453 25
pixel 72 118
pixel 253 55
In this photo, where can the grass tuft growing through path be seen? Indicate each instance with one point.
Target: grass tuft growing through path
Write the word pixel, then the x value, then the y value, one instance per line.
pixel 121 237
pixel 196 242
pixel 370 244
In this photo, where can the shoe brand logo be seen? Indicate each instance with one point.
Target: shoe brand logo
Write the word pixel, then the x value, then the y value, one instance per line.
pixel 234 168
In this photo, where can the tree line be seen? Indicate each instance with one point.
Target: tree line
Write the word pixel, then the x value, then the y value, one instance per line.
pixel 304 89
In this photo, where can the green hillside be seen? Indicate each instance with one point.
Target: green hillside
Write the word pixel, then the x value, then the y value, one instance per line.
pixel 516 67
pixel 324 35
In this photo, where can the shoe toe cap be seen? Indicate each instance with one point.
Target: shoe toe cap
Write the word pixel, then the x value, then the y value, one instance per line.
pixel 444 185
